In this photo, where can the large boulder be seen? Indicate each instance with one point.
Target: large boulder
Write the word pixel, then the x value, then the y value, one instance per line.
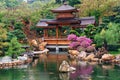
pixel 73 52
pixel 90 56
pixel 90 49
pixel 118 57
pixel 64 76
pixel 82 55
pixel 65 67
pixel 101 51
pixel 23 58
pixel 34 43
pixel 108 67
pixel 108 57
pixel 42 45
pixel 6 59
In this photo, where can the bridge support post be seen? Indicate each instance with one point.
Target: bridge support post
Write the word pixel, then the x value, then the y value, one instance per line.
pixel 57 49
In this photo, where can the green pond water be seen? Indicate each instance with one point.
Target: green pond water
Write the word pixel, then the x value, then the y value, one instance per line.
pixel 41 71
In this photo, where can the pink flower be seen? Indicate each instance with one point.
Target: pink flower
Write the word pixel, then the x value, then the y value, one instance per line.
pixel 81 39
pixel 74 45
pixel 85 44
pixel 72 37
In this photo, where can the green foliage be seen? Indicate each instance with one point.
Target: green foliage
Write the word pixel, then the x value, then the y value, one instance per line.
pixel 90 31
pixel 3 37
pixel 111 35
pixel 114 18
pixel 9 3
pixel 74 32
pixel 16 33
pixel 14 48
pixel 18 25
pixel 98 8
pixel 16 14
pixel 99 39
pixel 70 2
pixel 73 2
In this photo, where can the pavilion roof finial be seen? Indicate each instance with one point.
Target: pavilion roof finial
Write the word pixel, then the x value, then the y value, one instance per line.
pixel 64 1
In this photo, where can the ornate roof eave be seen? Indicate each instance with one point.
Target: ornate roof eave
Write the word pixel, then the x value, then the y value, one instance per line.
pixel 52 23
pixel 42 24
pixel 65 11
pixel 74 21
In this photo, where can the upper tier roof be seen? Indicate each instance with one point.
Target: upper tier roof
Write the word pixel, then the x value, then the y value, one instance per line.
pixel 65 8
pixel 52 22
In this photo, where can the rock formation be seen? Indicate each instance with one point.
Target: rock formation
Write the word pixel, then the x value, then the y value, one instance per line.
pixel 65 67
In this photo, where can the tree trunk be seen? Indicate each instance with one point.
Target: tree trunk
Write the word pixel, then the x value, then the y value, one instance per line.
pixel 105 45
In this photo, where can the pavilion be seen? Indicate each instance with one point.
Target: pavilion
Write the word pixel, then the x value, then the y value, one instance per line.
pixel 56 30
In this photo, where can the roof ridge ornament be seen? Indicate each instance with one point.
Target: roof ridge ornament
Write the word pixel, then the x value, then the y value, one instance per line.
pixel 64 2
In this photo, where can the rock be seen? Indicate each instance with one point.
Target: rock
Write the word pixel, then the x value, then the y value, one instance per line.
pixel 6 59
pixel 101 52
pixel 90 49
pixel 64 76
pixel 95 59
pixel 82 55
pixel 90 56
pixel 73 52
pixel 72 57
pixel 45 51
pixel 80 48
pixel 73 62
pixel 107 67
pixel 82 63
pixel 107 57
pixel 42 45
pixel 65 67
pixel 40 40
pixel 34 43
pixel 23 58
pixel 117 57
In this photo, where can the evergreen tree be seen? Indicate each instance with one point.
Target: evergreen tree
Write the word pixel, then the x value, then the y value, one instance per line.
pixel 3 37
pixel 15 48
pixel 109 36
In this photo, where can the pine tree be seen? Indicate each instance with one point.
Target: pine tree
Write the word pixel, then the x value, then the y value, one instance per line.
pixel 15 48
pixel 3 37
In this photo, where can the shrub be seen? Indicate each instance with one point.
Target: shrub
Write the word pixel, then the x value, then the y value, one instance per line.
pixel 74 45
pixel 72 37
pixel 79 43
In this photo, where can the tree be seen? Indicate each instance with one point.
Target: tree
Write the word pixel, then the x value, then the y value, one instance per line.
pixel 109 36
pixel 90 31
pixel 3 37
pixel 15 48
pixel 73 2
pixel 10 3
pixel 97 8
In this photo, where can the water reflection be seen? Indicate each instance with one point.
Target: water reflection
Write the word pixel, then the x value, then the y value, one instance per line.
pixel 83 72
pixel 49 71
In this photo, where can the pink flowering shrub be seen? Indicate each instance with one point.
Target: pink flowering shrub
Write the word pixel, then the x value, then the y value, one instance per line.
pixel 80 48
pixel 83 38
pixel 72 37
pixel 84 44
pixel 90 49
pixel 74 45
pixel 81 42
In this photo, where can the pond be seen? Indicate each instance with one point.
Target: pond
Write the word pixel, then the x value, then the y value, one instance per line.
pixel 49 71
